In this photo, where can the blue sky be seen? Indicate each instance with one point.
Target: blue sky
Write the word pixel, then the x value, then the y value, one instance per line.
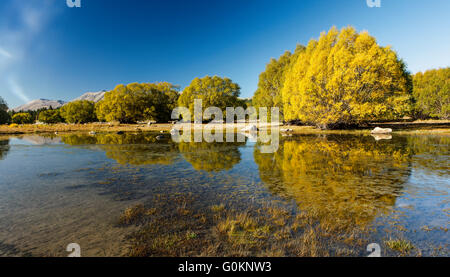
pixel 48 50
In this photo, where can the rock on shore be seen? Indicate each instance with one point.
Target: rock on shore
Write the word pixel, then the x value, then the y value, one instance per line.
pixel 379 130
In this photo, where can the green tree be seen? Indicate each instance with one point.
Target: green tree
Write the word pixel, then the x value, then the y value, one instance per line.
pixel 345 77
pixel 271 81
pixel 22 118
pixel 50 116
pixel 81 111
pixel 432 93
pixel 4 116
pixel 136 102
pixel 213 91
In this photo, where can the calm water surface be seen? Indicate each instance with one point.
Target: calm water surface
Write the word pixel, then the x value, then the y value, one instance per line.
pixel 73 188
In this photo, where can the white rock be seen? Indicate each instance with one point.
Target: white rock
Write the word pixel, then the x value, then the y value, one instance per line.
pixel 379 130
pixel 251 128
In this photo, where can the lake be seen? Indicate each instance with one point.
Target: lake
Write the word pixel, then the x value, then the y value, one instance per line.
pixel 139 195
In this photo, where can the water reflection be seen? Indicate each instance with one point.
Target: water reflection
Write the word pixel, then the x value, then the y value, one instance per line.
pixel 211 156
pixel 345 178
pixel 133 149
pixel 431 153
pixel 4 148
pixel 315 191
pixel 151 148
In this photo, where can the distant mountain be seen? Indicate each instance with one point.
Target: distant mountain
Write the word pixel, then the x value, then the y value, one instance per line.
pixel 45 103
pixel 92 96
pixel 39 104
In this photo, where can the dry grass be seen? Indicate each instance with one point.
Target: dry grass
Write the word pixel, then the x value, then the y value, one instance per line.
pixel 400 245
pixel 133 215
pixel 221 231
pixel 416 127
pixel 97 127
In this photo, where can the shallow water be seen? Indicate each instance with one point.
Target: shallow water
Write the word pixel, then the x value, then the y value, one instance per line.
pixel 73 188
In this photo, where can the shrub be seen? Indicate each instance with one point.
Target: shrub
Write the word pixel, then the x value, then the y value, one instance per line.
pixel 50 116
pixel 81 111
pixel 22 118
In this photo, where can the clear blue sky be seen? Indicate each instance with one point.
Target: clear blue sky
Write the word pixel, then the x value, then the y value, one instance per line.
pixel 48 50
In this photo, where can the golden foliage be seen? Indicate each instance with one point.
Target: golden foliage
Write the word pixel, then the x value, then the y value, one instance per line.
pixel 432 93
pixel 135 102
pixel 338 178
pixel 346 77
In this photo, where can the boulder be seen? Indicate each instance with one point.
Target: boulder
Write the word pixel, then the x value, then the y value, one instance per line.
pixel 251 128
pixel 379 130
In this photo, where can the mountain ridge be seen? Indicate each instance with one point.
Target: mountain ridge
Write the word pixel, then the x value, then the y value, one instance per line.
pixel 41 103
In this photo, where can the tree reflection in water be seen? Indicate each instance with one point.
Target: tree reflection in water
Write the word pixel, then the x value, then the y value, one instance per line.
pixel 133 149
pixel 431 153
pixel 150 148
pixel 4 148
pixel 342 180
pixel 211 156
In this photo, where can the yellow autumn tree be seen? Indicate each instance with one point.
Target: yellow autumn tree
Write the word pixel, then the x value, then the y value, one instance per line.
pixel 345 77
pixel 213 91
pixel 271 81
pixel 432 93
pixel 137 102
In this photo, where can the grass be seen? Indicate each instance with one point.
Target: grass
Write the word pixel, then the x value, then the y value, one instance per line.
pixel 218 208
pixel 219 230
pixel 133 215
pixel 400 245
pixel 97 127
pixel 258 230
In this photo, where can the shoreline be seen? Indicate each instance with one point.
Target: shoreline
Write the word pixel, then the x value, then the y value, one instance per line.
pixel 441 127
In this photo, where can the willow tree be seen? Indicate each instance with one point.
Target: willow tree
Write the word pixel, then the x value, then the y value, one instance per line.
pixel 136 102
pixel 81 111
pixel 50 116
pixel 22 118
pixel 345 77
pixel 213 91
pixel 432 93
pixel 271 81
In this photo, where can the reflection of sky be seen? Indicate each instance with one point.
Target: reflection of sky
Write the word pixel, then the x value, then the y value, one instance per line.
pixel 424 198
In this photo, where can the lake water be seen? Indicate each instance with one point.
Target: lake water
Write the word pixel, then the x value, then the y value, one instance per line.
pixel 317 195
